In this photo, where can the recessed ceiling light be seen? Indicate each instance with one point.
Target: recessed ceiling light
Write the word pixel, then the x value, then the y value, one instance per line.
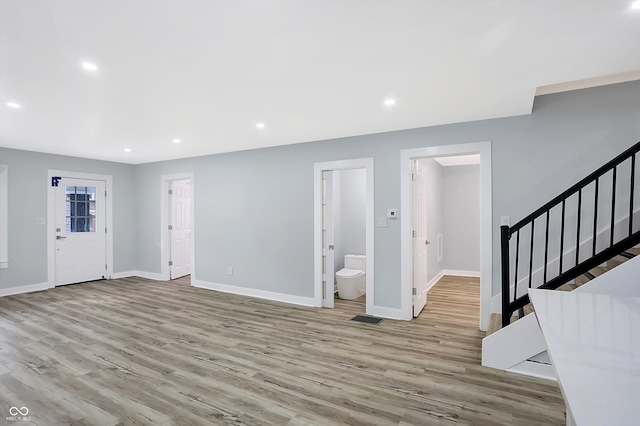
pixel 127 150
pixel 636 5
pixel 13 105
pixel 260 125
pixel 176 140
pixel 389 102
pixel 89 66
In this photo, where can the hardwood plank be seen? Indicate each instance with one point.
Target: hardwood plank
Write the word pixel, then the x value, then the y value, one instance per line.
pixel 141 352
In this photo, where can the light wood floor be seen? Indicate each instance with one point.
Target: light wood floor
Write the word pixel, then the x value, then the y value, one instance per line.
pixel 134 351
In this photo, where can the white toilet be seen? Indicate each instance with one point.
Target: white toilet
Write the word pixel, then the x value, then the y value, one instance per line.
pixel 352 280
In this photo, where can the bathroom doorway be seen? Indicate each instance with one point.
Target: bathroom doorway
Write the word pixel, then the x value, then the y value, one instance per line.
pixel 343 225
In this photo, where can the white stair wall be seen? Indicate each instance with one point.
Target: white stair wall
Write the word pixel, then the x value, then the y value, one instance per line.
pixel 514 344
pixel 511 347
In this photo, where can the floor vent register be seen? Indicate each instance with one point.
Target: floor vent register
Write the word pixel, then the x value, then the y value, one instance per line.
pixel 366 319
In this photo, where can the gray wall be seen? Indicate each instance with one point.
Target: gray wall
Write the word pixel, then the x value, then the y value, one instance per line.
pixel 28 200
pixel 351 232
pixel 247 202
pixel 435 214
pixel 461 187
pixel 254 209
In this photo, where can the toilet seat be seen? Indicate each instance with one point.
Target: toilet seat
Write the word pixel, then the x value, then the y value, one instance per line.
pixel 349 273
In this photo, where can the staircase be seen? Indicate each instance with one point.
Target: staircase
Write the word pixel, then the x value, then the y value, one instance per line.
pixel 574 240
pixel 495 323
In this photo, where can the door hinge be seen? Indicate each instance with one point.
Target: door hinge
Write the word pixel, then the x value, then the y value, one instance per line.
pixel 105 193
pixel 171 192
pixel 105 266
pixel 170 263
pixel 170 227
pixel 413 291
pixel 413 176
pixel 413 234
pixel 105 229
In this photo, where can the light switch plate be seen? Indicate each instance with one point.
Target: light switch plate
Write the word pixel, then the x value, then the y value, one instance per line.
pixel 40 221
pixel 382 222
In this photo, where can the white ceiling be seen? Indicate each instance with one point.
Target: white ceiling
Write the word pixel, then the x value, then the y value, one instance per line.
pixel 207 72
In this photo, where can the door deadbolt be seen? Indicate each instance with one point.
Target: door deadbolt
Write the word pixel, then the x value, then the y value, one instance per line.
pixel 427 243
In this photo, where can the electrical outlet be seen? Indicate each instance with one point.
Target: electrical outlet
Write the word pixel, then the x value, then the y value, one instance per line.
pixel 230 270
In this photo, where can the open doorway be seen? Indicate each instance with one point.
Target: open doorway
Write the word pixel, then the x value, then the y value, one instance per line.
pixel 335 184
pixel 177 227
pixel 446 212
pixel 410 291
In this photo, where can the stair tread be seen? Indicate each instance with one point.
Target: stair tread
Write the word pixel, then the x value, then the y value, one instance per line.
pixel 496 319
pixel 495 323
pixel 599 270
pixel 567 287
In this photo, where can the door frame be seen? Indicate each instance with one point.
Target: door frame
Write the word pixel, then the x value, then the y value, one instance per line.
pixel 165 217
pixel 51 226
pixel 318 168
pixel 486 234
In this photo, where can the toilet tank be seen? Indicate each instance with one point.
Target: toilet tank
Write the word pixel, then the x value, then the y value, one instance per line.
pixel 355 261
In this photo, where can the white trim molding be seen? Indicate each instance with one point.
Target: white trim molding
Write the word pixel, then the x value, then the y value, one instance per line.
pixel 459 273
pixel 24 289
pixel 252 292
pixel 142 274
pixel 318 168
pixel 4 216
pixel 486 245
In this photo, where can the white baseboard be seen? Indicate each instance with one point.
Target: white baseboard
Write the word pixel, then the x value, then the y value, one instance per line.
pixel 435 279
pixel 125 274
pixel 24 289
pixel 142 274
pixel 382 312
pixel 252 292
pixel 458 273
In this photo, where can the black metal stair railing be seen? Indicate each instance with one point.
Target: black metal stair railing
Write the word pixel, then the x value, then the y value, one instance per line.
pixel 597 198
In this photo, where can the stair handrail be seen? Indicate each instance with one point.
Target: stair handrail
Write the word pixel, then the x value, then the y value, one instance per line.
pixel 506 232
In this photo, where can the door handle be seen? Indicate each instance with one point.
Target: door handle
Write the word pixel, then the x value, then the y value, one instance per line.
pixel 331 247
pixel 427 242
pixel 60 237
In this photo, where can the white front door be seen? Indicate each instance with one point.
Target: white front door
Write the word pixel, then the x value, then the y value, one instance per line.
pixel 420 237
pixel 328 261
pixel 180 251
pixel 80 231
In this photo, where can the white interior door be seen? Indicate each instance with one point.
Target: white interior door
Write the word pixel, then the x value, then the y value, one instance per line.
pixel 180 250
pixel 420 242
pixel 80 231
pixel 328 261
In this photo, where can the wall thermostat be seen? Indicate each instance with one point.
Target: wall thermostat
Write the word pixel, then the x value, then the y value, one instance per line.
pixel 393 213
